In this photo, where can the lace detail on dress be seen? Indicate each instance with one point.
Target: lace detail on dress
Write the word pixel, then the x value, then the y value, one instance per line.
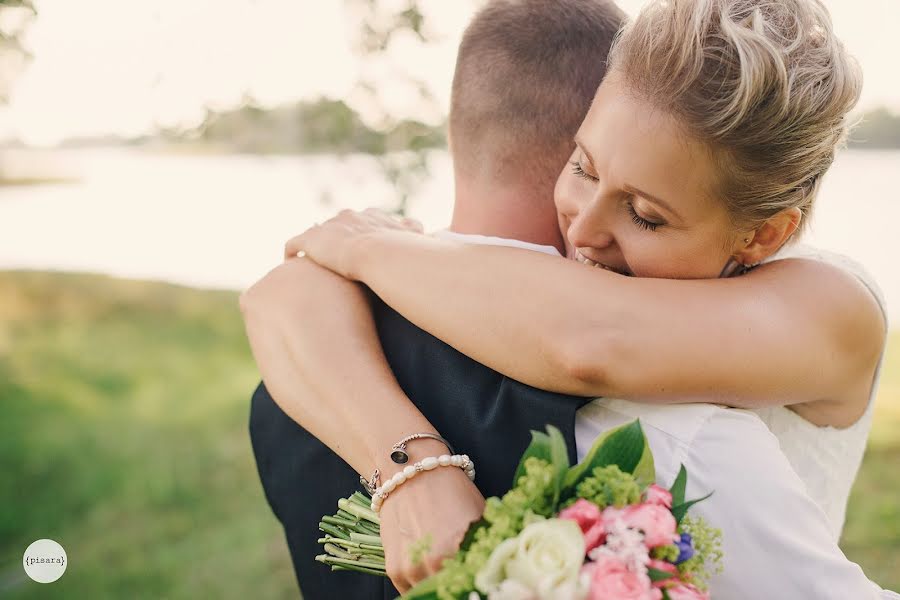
pixel 827 459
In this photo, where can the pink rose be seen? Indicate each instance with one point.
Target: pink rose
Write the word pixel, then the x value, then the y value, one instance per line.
pixel 583 512
pixel 610 578
pixel 654 520
pixel 661 565
pixel 658 495
pixel 686 592
pixel 588 516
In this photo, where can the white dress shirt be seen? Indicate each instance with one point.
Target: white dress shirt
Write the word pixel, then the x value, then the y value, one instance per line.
pixel 776 540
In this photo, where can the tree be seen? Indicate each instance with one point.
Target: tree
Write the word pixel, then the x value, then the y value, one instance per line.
pixel 404 162
pixel 15 16
pixel 878 129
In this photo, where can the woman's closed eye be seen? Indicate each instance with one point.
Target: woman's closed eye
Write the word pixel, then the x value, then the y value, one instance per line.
pixel 639 220
pixel 578 170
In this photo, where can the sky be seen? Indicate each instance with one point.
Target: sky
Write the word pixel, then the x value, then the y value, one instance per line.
pixel 127 66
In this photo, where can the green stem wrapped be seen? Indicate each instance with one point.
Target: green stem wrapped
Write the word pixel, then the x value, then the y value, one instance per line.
pixel 359 511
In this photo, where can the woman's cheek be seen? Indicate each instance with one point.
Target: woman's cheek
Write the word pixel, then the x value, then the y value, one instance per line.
pixel 648 257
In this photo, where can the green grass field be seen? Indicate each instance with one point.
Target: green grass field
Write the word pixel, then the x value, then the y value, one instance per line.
pixel 123 436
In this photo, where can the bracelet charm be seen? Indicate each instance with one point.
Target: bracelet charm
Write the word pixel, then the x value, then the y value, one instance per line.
pixel 399 455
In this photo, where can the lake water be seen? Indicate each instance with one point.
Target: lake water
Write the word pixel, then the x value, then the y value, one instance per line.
pixel 222 221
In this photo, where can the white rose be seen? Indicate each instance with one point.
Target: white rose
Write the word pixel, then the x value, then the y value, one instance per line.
pixel 546 556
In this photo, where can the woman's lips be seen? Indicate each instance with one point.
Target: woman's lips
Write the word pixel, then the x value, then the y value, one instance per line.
pixel 592 263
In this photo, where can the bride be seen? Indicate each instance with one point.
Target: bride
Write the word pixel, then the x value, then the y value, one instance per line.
pixel 695 169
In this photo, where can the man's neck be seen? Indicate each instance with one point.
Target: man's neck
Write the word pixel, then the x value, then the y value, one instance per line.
pixel 506 215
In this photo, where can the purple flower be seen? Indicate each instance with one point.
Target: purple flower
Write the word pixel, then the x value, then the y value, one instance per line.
pixel 685 548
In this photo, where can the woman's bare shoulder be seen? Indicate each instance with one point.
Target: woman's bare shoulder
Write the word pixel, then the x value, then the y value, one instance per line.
pixel 835 299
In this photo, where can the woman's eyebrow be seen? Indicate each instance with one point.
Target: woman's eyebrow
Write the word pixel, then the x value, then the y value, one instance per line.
pixel 633 190
pixel 582 147
pixel 629 188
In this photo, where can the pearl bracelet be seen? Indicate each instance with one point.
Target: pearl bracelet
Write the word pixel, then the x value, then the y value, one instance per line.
pixel 426 464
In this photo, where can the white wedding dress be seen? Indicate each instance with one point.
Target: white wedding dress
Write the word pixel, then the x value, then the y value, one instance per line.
pixel 827 459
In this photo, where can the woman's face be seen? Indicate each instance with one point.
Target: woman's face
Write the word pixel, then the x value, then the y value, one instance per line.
pixel 637 196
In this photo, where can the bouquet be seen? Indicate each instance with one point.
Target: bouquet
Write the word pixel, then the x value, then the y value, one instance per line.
pixel 599 530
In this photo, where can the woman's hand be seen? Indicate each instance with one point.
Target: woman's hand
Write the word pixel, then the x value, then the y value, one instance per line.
pixel 329 244
pixel 424 521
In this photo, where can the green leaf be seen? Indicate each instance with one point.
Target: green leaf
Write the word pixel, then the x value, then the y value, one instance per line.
pixel 658 574
pixel 559 458
pixel 424 590
pixel 538 448
pixel 623 446
pixel 549 447
pixel 680 510
pixel 678 487
pixel 470 534
pixel 645 471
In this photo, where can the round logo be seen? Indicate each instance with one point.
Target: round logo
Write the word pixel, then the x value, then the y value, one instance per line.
pixel 45 561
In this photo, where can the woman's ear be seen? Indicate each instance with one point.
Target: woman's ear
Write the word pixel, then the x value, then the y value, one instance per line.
pixel 769 237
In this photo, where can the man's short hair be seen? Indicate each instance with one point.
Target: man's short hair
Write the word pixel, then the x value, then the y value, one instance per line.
pixel 525 76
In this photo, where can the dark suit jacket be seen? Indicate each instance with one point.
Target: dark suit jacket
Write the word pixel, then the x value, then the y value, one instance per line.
pixel 482 413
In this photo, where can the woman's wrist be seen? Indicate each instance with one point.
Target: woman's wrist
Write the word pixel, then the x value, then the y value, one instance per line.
pixel 377 247
pixel 362 250
pixel 416 450
pixel 409 472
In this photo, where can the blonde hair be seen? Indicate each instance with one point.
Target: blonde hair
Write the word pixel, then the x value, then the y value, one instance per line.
pixel 764 83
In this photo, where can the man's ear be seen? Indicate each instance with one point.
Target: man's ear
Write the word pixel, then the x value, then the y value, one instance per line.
pixel 769 237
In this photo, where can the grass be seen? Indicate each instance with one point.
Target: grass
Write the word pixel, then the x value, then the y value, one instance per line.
pixel 123 436
pixel 872 530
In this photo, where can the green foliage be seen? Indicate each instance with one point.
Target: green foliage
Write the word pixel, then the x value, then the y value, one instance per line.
pixel 609 486
pixel 504 518
pixel 667 553
pixel 551 448
pixel 678 486
pixel 15 16
pixel 707 559
pixel 318 126
pixel 680 506
pixel 623 446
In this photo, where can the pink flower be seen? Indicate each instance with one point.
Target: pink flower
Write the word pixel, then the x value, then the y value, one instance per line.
pixel 686 592
pixel 654 520
pixel 658 495
pixel 611 579
pixel 588 516
pixel 583 512
pixel 661 565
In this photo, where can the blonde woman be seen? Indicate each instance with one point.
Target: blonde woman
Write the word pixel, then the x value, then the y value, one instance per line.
pixel 694 171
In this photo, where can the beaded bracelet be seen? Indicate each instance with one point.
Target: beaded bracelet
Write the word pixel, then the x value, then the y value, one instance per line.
pixel 426 464
pixel 400 457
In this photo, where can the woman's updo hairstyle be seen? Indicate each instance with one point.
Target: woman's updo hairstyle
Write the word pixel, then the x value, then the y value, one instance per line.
pixel 765 84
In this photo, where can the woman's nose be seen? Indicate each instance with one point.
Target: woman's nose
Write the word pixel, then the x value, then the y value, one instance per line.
pixel 590 227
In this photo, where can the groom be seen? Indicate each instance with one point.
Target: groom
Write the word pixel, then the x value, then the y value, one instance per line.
pixel 777 542
pixel 526 73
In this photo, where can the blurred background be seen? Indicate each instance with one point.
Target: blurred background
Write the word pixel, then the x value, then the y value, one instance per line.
pixel 154 157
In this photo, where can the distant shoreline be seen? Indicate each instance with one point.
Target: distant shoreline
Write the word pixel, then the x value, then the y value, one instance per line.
pixel 31 181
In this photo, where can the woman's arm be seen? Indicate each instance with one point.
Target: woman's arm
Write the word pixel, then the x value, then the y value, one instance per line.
pixel 789 332
pixel 315 342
